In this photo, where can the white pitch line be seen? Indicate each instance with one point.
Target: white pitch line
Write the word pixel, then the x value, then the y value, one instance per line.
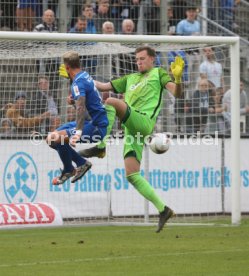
pixel 122 257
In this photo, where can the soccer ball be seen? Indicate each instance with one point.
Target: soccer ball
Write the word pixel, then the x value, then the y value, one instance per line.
pixel 159 143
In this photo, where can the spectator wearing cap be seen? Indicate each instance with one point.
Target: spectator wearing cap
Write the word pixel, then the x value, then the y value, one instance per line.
pixel 190 25
pixel 18 115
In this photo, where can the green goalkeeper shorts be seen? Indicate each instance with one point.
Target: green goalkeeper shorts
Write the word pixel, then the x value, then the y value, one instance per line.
pixel 138 127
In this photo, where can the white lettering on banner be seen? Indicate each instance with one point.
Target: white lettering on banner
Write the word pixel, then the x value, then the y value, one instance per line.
pixel 29 216
pixel 26 213
pixel 188 177
pixel 11 215
pixel 44 218
pixel 1 218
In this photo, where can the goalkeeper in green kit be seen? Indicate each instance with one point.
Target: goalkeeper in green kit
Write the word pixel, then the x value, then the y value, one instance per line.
pixel 138 113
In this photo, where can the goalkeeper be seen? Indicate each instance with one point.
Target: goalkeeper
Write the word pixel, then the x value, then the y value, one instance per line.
pixel 138 113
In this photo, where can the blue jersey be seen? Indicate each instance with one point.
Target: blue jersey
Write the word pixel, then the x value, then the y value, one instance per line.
pixel 185 27
pixel 83 85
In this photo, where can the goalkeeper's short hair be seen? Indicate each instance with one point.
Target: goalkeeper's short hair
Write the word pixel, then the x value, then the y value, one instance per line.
pixel 150 51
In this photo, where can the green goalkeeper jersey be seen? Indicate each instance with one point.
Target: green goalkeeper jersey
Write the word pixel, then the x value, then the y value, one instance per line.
pixel 143 91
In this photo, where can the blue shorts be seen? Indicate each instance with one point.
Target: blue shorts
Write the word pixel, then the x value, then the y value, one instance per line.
pixel 90 133
pixel 23 4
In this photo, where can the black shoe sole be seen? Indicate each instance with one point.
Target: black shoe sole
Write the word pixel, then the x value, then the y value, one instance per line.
pixel 80 176
pixel 170 214
pixel 57 184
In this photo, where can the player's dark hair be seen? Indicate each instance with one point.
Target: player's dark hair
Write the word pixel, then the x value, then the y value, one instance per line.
pixel 150 51
pixel 81 18
pixel 87 6
pixel 191 8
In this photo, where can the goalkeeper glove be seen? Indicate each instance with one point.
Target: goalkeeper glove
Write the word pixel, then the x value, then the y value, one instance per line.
pixel 177 69
pixel 63 72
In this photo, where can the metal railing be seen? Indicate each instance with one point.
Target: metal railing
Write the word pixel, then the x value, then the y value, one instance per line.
pixel 216 29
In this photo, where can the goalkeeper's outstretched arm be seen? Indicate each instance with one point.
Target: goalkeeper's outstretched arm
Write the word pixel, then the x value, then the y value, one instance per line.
pixel 103 86
pixel 175 88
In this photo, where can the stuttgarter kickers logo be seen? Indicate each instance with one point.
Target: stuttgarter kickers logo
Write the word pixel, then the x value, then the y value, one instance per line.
pixel 20 178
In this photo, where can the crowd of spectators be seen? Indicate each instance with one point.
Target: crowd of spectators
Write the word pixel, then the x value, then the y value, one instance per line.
pixel 205 105
pixel 24 15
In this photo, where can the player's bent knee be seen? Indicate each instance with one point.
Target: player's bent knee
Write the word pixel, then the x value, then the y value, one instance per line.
pixel 116 103
pixel 52 139
pixel 119 105
pixel 111 101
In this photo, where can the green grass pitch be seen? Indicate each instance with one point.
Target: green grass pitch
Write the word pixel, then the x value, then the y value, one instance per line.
pixel 116 250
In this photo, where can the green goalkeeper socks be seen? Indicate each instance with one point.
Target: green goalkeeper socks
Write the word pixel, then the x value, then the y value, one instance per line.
pixel 111 115
pixel 145 189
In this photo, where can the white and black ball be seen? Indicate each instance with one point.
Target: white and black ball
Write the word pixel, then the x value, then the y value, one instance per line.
pixel 159 143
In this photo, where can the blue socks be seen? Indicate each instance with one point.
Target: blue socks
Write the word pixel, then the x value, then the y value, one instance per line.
pixel 67 155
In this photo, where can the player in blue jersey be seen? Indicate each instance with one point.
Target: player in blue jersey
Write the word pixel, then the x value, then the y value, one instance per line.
pixel 85 97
